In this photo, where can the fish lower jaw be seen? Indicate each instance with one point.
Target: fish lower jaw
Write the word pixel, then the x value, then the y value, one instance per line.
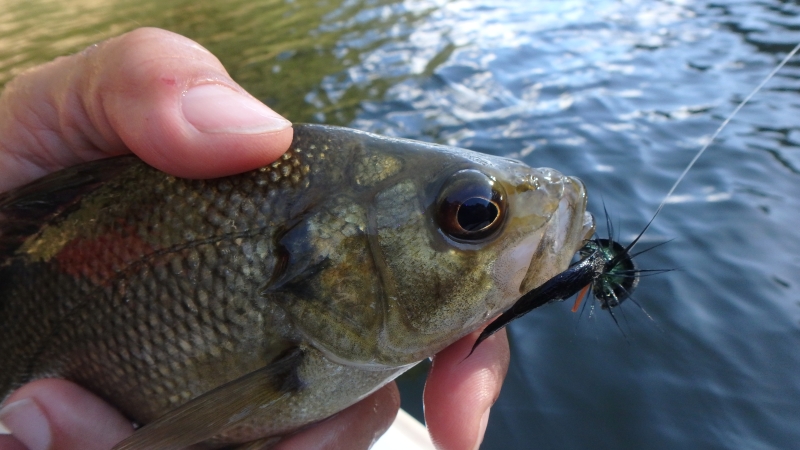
pixel 589 226
pixel 510 269
pixel 563 236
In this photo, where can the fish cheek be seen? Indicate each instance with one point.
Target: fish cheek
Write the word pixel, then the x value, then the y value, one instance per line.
pixel 434 290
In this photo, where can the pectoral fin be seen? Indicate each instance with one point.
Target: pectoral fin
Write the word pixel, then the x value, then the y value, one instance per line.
pixel 218 410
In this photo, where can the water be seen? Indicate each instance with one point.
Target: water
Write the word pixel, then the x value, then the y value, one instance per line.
pixel 619 93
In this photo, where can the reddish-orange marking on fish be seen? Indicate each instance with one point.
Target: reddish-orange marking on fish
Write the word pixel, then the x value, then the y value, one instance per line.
pixel 99 258
pixel 579 299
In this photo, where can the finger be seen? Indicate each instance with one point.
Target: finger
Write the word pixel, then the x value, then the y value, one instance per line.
pixel 8 442
pixel 149 91
pixel 357 427
pixel 459 391
pixel 54 414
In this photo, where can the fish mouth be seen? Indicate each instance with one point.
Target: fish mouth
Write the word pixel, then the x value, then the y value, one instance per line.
pixel 548 248
pixel 563 236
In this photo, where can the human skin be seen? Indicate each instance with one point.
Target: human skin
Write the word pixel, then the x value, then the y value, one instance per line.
pixel 170 101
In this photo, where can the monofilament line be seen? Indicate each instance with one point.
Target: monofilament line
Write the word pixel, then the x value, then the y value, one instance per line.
pixel 716 133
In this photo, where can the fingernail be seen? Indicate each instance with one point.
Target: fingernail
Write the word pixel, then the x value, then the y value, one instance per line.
pixel 482 428
pixel 27 422
pixel 212 108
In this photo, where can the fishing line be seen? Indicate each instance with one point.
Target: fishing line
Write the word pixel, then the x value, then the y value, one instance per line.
pixel 713 137
pixel 606 269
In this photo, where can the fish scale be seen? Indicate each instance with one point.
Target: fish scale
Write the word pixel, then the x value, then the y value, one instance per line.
pixel 146 244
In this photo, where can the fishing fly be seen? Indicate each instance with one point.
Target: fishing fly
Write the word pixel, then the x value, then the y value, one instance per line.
pixel 605 267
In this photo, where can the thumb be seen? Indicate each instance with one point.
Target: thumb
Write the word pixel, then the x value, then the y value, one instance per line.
pixel 54 414
pixel 149 91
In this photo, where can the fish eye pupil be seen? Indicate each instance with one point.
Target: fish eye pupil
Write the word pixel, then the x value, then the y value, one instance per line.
pixel 476 214
pixel 471 206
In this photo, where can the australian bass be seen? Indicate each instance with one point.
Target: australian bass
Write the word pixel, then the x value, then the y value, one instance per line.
pixel 230 310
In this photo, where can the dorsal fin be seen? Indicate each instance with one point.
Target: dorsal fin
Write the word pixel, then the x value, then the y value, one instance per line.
pixel 24 210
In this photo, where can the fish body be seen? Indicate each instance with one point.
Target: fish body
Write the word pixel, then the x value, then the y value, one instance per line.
pixel 226 310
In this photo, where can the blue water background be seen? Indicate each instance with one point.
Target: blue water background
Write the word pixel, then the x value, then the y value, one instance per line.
pixel 618 93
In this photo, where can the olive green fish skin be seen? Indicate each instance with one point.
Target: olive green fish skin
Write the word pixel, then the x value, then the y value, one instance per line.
pixel 151 290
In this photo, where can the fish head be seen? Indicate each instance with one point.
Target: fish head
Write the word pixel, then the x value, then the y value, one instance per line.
pixel 485 231
pixel 448 239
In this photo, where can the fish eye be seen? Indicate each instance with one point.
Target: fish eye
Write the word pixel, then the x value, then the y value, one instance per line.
pixel 471 206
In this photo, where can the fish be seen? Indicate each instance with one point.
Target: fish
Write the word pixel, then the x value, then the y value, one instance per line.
pixel 237 309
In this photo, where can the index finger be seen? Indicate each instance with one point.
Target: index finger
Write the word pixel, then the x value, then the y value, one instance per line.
pixel 460 390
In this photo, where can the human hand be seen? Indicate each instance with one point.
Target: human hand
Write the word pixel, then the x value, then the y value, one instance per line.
pixel 170 101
